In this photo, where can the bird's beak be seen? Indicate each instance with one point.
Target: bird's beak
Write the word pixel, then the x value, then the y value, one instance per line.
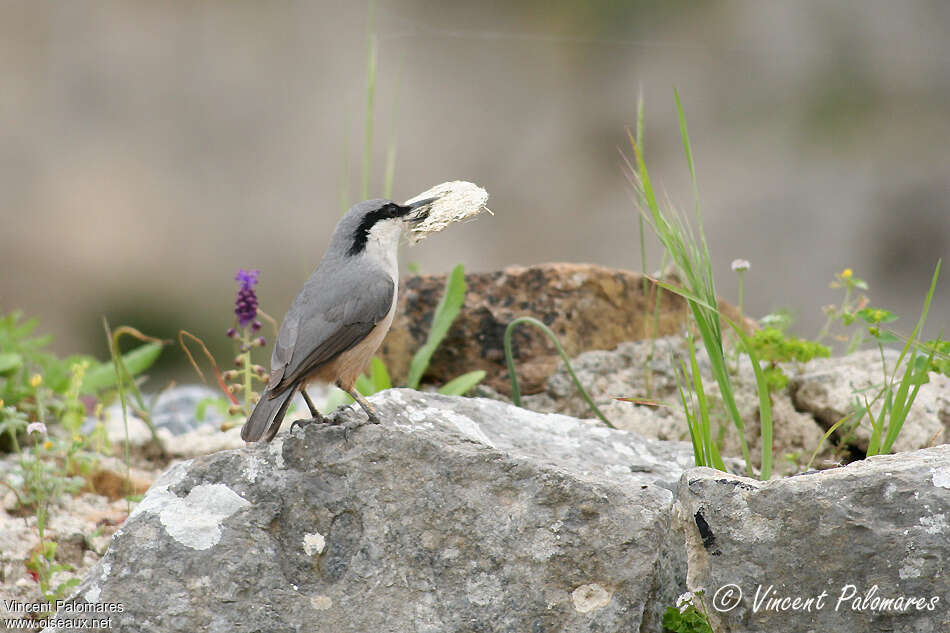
pixel 420 210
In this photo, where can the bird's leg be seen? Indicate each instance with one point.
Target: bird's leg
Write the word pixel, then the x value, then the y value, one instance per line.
pixel 316 417
pixel 363 402
pixel 313 410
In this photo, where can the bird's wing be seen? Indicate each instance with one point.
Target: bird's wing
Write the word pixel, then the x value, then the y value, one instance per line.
pixel 320 327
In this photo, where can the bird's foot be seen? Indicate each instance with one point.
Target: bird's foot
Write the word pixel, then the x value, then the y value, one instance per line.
pixel 306 422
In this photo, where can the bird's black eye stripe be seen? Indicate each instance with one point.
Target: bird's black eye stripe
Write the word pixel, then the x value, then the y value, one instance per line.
pixel 386 212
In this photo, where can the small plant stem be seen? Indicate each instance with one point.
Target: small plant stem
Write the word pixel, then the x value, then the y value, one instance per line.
pixel 371 57
pixel 390 168
pixel 40 496
pixel 740 295
pixel 120 386
pixel 834 315
pixel 40 408
pixel 11 431
pixel 509 358
pixel 246 369
pixel 883 362
pixel 643 242
pixel 345 185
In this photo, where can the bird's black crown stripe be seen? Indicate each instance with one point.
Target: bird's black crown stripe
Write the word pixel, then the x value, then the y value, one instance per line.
pixel 385 212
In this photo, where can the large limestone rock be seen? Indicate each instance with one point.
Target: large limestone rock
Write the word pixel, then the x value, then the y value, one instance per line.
pixel 819 394
pixel 871 538
pixel 589 307
pixel 453 515
pixel 647 370
pixel 829 387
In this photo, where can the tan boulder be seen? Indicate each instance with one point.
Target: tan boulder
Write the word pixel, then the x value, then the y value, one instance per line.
pixel 588 307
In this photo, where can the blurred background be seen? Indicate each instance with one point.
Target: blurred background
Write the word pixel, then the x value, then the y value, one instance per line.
pixel 149 150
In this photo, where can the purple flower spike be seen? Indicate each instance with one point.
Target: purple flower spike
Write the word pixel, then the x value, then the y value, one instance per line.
pixel 245 306
pixel 256 326
pixel 248 278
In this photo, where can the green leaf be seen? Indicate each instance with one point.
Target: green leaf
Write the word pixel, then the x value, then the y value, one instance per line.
pixel 877 315
pixel 461 385
pixel 201 409
pixel 24 329
pixel 364 385
pixel 379 375
pixel 103 376
pixel 886 336
pixel 66 586
pixel 57 373
pixel 10 362
pixel 449 307
pixel 336 398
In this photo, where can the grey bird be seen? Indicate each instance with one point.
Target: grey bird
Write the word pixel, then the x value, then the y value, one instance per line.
pixel 341 315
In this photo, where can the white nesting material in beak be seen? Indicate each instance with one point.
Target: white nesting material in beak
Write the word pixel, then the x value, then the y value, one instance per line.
pixel 452 202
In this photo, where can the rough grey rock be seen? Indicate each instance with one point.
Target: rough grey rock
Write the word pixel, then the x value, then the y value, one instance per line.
pixel 873 531
pixel 453 515
pixel 175 409
pixel 607 375
pixel 138 431
pixel 829 386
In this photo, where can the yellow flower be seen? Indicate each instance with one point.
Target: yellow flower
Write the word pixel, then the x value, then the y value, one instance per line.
pixel 1 403
pixel 47 445
pixel 847 273
pixel 36 380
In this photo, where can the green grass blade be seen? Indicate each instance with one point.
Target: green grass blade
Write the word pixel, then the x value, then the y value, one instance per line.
pixel 371 62
pixel 449 307
pixel 687 149
pixel 695 436
pixel 10 362
pixel 390 168
pixel 765 401
pixel 874 442
pixel 897 419
pixel 709 444
pixel 461 385
pixel 513 375
pixel 831 429
pixel 923 315
pixel 104 376
pixel 646 187
pixel 643 244
pixel 699 393
pixel 114 353
pixel 902 404
pixel 345 184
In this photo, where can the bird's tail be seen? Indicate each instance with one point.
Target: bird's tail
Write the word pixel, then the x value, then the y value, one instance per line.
pixel 267 415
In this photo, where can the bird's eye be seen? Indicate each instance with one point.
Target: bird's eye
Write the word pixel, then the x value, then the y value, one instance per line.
pixel 395 211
